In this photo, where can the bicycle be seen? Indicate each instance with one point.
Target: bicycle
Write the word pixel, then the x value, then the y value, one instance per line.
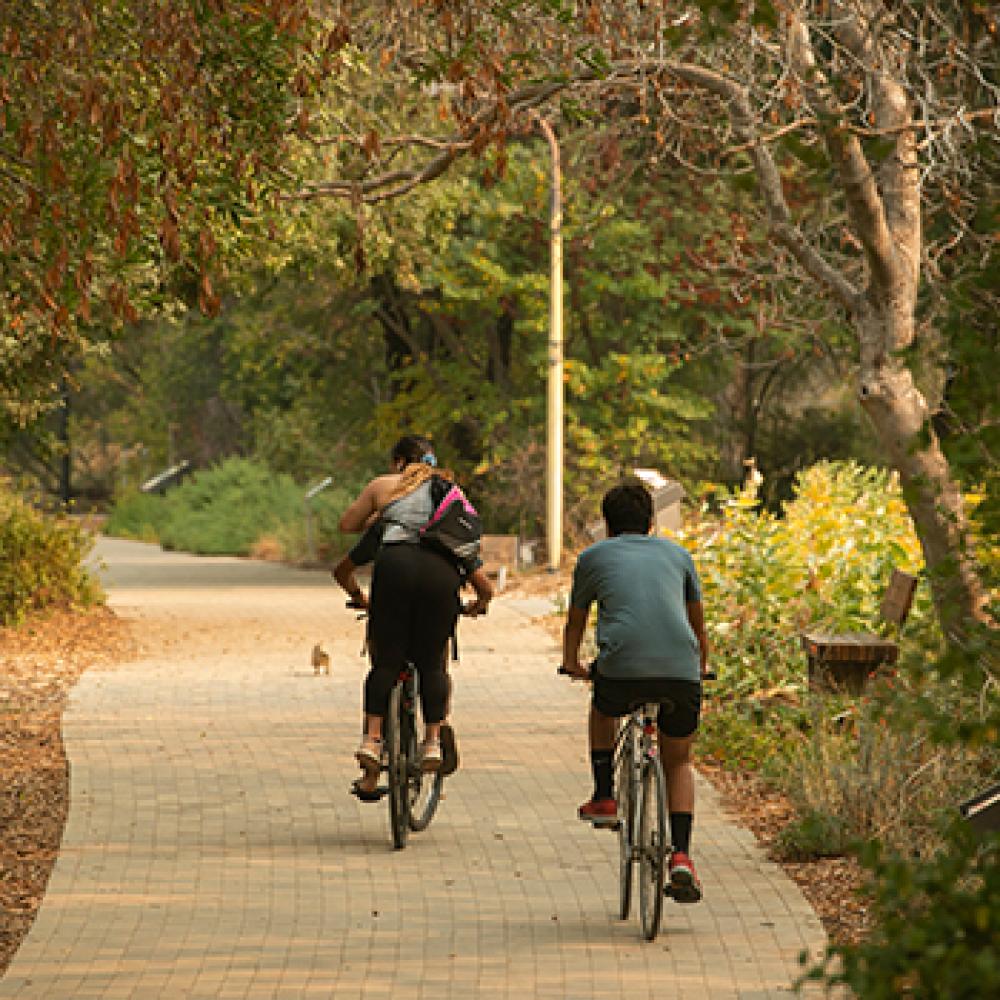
pixel 642 816
pixel 643 837
pixel 414 794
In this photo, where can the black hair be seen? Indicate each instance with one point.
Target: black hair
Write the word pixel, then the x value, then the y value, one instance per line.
pixel 412 448
pixel 628 508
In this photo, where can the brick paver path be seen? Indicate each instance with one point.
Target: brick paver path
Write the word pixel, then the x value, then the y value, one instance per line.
pixel 212 849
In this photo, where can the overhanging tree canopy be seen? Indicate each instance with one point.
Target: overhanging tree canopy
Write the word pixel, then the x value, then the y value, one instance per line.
pixel 858 120
pixel 135 138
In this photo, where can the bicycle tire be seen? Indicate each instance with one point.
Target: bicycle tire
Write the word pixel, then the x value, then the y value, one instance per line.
pixel 399 799
pixel 652 847
pixel 627 792
pixel 425 794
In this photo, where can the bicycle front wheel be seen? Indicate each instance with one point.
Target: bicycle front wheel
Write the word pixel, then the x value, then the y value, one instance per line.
pixel 626 785
pixel 425 792
pixel 652 847
pixel 397 740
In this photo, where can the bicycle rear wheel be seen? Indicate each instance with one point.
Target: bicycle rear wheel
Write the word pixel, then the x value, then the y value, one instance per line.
pixel 398 741
pixel 625 784
pixel 652 847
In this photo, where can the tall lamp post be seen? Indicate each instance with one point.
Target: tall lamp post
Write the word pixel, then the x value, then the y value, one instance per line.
pixel 554 408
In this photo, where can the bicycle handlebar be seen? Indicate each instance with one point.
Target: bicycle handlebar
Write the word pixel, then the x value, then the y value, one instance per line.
pixel 466 609
pixel 710 676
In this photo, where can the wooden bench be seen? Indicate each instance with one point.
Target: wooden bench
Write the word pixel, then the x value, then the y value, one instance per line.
pixel 844 661
pixel 499 555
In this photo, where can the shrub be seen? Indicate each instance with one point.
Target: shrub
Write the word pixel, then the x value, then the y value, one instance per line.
pixel 138 516
pixel 739 733
pixel 224 510
pixel 825 562
pixel 887 782
pixel 238 508
pixel 41 561
pixel 815 833
pixel 937 925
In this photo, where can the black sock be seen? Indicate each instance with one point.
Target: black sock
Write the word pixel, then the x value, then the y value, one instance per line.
pixel 680 831
pixel 600 763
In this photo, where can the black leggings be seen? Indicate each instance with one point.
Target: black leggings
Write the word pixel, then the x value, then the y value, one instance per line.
pixel 414 606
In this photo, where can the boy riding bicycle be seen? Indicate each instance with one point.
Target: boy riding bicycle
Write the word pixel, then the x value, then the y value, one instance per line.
pixel 652 648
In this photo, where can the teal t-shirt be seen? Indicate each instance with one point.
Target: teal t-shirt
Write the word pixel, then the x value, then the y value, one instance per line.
pixel 641 584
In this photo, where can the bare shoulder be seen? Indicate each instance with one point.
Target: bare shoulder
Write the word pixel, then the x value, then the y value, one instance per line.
pixel 369 500
pixel 381 487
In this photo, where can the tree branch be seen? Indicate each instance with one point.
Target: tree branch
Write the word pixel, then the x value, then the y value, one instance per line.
pixel 420 141
pixel 893 113
pixel 785 231
pixel 416 352
pixel 395 183
pixel 399 182
pixel 864 201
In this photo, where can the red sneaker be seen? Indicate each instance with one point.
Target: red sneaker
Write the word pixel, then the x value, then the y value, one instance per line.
pixel 600 812
pixel 684 885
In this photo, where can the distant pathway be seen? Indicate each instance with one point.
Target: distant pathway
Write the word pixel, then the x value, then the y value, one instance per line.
pixel 212 850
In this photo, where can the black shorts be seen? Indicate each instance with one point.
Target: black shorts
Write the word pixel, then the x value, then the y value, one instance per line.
pixel 679 701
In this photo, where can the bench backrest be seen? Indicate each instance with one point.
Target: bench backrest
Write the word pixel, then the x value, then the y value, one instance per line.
pixel 898 597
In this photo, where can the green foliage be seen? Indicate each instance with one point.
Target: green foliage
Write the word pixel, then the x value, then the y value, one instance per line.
pixel 824 563
pixel 741 734
pixel 219 511
pixel 240 507
pixel 815 833
pixel 41 561
pixel 882 778
pixel 224 510
pixel 144 144
pixel 937 916
pixel 626 414
pixel 137 515
pixel 629 315
pixel 937 925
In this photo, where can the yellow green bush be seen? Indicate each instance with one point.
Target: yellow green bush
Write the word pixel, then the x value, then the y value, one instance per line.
pixel 41 561
pixel 824 563
pixel 854 767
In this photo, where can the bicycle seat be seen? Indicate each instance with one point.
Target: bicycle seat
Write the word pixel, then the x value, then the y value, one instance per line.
pixel 643 704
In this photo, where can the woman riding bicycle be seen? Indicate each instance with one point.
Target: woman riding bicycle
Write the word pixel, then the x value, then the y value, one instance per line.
pixel 413 604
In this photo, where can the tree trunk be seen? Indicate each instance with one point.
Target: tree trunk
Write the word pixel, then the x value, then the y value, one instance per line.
pixel 900 416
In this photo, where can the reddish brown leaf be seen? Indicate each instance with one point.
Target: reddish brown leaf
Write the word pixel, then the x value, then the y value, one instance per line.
pixel 338 37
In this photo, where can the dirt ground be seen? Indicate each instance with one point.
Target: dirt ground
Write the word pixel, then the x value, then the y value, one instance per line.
pixel 40 662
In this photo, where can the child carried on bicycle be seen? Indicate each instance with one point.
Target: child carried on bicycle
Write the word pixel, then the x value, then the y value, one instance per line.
pixel 652 648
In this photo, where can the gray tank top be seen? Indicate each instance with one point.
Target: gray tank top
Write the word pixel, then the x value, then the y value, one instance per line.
pixel 403 518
